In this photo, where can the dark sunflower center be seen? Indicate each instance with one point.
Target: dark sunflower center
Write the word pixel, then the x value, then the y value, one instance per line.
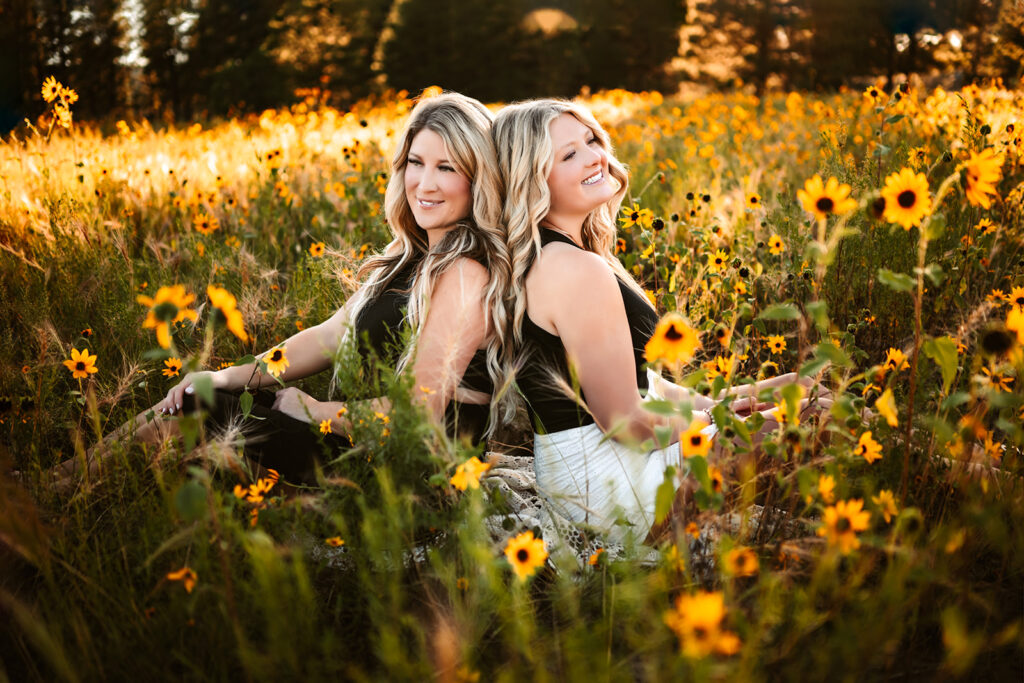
pixel 522 555
pixel 695 440
pixel 824 204
pixel 275 356
pixel 843 525
pixel 672 334
pixel 1019 301
pixel 165 311
pixel 700 632
pixel 907 199
pixel 634 216
pixel 79 365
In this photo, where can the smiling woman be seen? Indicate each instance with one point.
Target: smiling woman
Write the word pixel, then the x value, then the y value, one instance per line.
pixel 443 276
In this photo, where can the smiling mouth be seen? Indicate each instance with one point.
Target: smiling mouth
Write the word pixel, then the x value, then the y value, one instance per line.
pixel 426 204
pixel 596 178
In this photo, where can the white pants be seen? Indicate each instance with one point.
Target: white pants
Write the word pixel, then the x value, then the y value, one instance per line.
pixel 589 478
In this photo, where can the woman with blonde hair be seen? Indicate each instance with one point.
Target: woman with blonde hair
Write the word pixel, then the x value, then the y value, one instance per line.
pixel 579 324
pixel 443 276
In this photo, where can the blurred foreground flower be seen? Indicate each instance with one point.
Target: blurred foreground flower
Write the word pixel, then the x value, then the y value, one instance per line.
pixel 983 171
pixel 525 553
pixel 842 522
pixel 886 406
pixel 168 307
pixel 81 364
pixel 694 441
pixel 697 622
pixel 227 307
pixel 886 502
pixel 467 475
pixel 868 448
pixel 673 342
pixel 173 367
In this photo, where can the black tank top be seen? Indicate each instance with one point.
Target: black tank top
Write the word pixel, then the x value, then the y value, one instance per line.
pixel 545 362
pixel 378 328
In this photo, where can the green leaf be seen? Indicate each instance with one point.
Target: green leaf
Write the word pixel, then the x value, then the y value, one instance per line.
pixel 699 469
pixel 894 118
pixel 943 352
pixel 204 389
pixel 190 501
pixel 665 494
pixel 813 366
pixel 156 354
pixel 819 313
pixel 781 312
pixel 659 407
pixel 897 281
pixel 935 226
pixel 439 480
pixel 957 398
pixel 933 272
pixel 662 435
pixel 881 150
pixel 833 354
pixel 245 360
pixel 245 401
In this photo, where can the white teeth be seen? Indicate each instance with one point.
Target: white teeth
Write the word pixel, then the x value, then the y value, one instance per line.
pixel 594 178
pixel 424 202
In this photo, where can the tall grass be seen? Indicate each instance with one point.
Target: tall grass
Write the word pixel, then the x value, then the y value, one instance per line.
pixel 420 587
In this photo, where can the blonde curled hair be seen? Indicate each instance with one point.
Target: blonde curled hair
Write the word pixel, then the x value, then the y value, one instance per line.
pixel 522 137
pixel 464 125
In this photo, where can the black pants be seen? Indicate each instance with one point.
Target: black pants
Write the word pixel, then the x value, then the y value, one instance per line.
pixel 277 441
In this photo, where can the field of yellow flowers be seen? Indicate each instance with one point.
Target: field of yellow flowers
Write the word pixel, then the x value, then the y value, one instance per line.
pixel 872 240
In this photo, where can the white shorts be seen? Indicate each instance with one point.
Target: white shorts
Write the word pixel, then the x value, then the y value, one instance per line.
pixel 589 478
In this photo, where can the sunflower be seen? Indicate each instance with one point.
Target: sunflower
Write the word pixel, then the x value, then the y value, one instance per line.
pixel 906 198
pixel 168 307
pixel 636 216
pixel 51 89
pixel 205 224
pixel 335 541
pixel 1016 297
pixel 1015 323
pixel 717 261
pixel 81 364
pixel 694 441
pixel 886 501
pixel 868 448
pixel 697 622
pixel 753 200
pixel 776 343
pixel 316 250
pixel 918 156
pixel 467 475
pixel 741 562
pixel 983 171
pixel 276 361
pixel 226 306
pixel 985 226
pixel 325 426
pixel 673 342
pixel 842 523
pixel 775 245
pixel 525 553
pixel 173 367
pixel 826 487
pixel 823 199
pixel 895 360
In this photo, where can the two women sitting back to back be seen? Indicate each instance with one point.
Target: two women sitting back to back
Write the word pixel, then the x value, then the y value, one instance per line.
pixel 502 261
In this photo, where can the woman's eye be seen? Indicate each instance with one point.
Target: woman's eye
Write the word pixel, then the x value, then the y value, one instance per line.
pixel 415 162
pixel 568 156
pixel 592 140
pixel 447 168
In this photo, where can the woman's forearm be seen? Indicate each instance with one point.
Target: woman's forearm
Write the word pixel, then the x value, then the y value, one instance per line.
pixel 307 352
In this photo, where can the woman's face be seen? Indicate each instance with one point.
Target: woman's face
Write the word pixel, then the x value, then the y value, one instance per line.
pixel 438 194
pixel 579 180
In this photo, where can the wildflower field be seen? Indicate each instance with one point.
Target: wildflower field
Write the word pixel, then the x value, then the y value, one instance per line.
pixel 874 240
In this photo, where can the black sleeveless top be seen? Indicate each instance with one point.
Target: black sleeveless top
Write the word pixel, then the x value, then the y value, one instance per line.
pixel 378 328
pixel 545 362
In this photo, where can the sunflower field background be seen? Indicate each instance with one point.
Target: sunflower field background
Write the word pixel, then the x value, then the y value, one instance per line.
pixel 869 239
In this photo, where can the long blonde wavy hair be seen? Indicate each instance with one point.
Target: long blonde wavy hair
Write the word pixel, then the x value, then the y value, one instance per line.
pixel 464 125
pixel 522 137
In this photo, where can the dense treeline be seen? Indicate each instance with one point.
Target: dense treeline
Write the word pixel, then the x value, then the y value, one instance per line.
pixel 188 58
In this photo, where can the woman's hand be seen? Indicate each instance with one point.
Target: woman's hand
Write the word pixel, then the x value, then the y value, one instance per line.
pixel 296 403
pixel 172 403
